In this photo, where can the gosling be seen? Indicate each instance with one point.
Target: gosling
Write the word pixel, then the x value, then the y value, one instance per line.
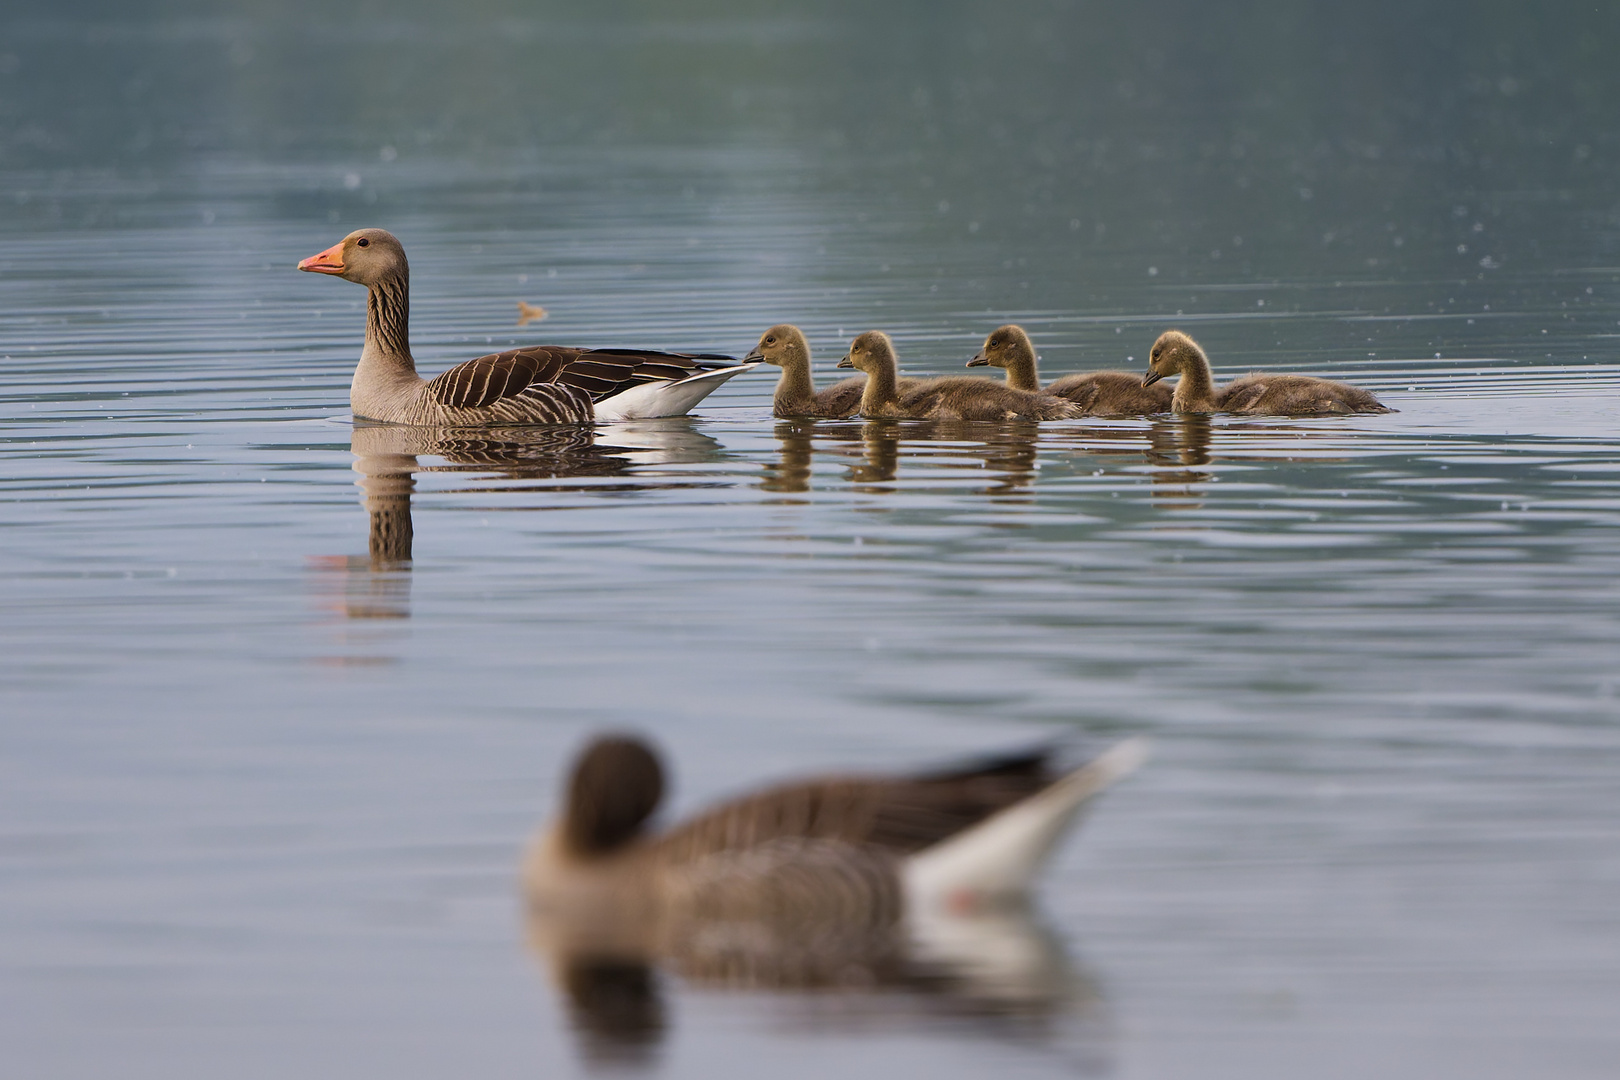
pixel 1098 393
pixel 796 395
pixel 959 398
pixel 1258 395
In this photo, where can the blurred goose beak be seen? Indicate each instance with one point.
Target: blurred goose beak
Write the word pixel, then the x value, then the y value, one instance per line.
pixel 979 360
pixel 1150 378
pixel 845 362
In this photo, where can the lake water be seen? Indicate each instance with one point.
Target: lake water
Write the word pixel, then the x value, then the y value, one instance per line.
pixel 264 783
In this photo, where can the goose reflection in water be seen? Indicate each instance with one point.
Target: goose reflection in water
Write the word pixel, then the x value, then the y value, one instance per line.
pixel 377 585
pixel 1006 450
pixel 853 899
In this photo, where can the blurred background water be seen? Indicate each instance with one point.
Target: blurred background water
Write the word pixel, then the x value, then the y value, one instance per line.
pixel 263 784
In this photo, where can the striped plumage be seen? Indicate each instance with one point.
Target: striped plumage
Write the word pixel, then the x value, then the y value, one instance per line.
pixel 828 881
pixel 538 385
pixel 832 849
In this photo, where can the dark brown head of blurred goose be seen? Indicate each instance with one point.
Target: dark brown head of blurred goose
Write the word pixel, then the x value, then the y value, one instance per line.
pixel 617 784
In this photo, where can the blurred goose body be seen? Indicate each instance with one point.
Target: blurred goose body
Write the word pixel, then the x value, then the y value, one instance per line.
pixel 959 398
pixel 545 384
pixel 1174 353
pixel 1097 393
pixel 847 854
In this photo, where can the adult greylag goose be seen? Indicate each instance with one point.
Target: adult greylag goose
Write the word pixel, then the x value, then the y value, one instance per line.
pixel 1266 395
pixel 796 395
pixel 1098 393
pixel 545 384
pixel 959 398
pixel 846 853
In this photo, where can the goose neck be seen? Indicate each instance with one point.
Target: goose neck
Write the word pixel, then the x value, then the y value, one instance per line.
pixel 1195 391
pixel 795 387
pixel 880 388
pixel 1021 371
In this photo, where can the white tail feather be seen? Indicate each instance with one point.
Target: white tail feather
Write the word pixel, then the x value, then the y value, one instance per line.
pixel 653 400
pixel 1001 855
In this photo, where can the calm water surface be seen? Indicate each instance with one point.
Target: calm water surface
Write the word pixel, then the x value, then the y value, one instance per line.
pixel 264 781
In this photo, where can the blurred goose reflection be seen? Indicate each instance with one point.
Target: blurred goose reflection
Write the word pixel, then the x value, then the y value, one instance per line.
pixel 881 897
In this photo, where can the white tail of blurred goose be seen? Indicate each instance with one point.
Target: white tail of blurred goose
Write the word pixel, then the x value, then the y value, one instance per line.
pixel 1098 393
pixel 1267 395
pixel 846 851
pixel 959 398
pixel 541 385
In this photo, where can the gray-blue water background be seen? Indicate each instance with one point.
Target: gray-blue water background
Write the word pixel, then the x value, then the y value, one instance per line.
pixel 262 796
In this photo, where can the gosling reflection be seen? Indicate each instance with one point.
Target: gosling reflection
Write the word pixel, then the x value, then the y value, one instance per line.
pixel 1176 445
pixel 904 894
pixel 877 450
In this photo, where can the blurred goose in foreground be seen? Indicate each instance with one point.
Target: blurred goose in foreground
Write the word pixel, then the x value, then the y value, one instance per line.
pixel 958 398
pixel 1268 395
pixel 833 855
pixel 1098 393
pixel 796 395
pixel 544 384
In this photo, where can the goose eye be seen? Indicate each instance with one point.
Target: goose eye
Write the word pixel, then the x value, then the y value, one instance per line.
pixel 362 242
pixel 770 341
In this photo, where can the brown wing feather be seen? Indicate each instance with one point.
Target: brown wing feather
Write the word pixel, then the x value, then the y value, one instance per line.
pixel 900 814
pixel 486 380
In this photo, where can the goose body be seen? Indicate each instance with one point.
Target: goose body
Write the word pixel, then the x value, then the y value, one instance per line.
pixel 796 395
pixel 1096 393
pixel 545 384
pixel 957 398
pixel 851 852
pixel 1174 353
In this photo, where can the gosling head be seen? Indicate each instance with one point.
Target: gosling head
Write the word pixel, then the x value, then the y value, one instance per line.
pixel 781 345
pixel 616 785
pixel 366 256
pixel 1171 355
pixel 870 352
pixel 1005 345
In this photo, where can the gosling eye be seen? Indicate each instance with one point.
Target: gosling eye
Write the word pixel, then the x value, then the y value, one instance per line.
pixel 770 341
pixel 362 242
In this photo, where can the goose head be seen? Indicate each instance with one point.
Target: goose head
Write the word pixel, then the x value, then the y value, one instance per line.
pixel 1005 346
pixel 781 345
pixel 365 256
pixel 1173 354
pixel 872 351
pixel 616 785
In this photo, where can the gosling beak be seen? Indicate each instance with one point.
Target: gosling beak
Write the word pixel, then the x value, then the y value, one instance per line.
pixel 979 360
pixel 845 362
pixel 1150 378
pixel 754 355
pixel 329 261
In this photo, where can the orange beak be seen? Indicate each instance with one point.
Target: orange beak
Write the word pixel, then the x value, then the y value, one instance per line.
pixel 329 261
